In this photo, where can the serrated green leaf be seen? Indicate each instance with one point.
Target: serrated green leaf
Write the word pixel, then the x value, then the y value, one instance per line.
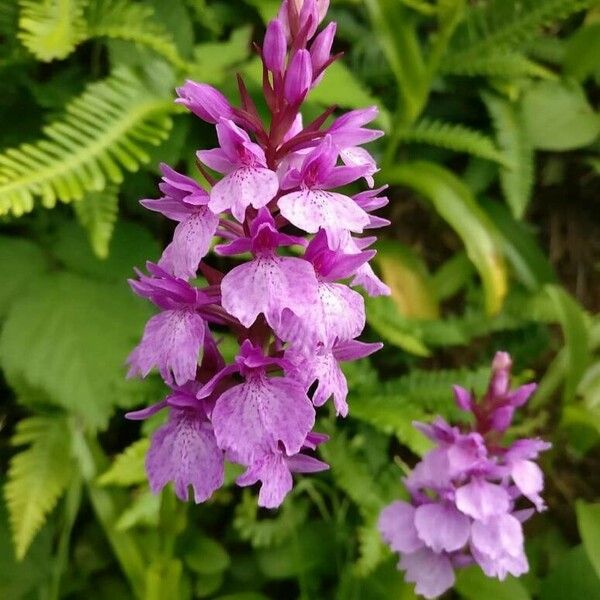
pixel 144 510
pixel 97 213
pixel 455 137
pixel 128 467
pixel 37 476
pixel 69 338
pixel 371 550
pixel 503 63
pixel 456 204
pixel 516 180
pixel 104 131
pixel 51 29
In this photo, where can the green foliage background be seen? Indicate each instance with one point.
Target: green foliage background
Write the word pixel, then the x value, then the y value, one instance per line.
pixel 493 156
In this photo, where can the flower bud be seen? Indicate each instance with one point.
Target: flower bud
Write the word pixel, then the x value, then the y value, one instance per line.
pixel 298 77
pixel 204 101
pixel 275 47
pixel 321 47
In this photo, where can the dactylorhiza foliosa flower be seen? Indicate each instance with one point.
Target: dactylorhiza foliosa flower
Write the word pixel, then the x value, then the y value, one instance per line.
pixel 469 495
pixel 289 302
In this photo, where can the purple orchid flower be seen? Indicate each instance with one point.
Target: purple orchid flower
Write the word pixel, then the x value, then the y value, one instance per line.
pixel 463 494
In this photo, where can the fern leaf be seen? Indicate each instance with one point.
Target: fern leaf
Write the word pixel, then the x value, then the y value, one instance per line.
pixel 371 550
pixel 453 136
pixel 506 24
pixel 105 130
pixel 121 19
pixel 128 467
pixel 517 182
pixel 50 29
pixel 37 476
pixel 496 64
pixel 97 213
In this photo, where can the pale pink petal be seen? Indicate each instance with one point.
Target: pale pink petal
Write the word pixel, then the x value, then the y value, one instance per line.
pixel 311 210
pixel 481 499
pixel 171 342
pixel 432 573
pixel 273 472
pixel 529 478
pixel 442 527
pixel 185 451
pixel 251 419
pixel 191 242
pixel 359 157
pixel 246 186
pixel 268 286
pixel 397 527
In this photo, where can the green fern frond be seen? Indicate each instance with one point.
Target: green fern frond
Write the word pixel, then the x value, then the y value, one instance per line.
pixel 371 550
pixel 105 130
pixel 506 24
pixel 496 64
pixel 516 183
pixel 97 214
pixel 37 476
pixel 128 467
pixel 9 16
pixel 121 19
pixel 50 29
pixel 454 137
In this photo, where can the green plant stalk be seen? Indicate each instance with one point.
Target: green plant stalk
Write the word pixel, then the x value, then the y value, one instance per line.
pixel 93 461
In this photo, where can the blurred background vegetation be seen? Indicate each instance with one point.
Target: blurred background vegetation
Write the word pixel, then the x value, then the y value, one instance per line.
pixel 493 156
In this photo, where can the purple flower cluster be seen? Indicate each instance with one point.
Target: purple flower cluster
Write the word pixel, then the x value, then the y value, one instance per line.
pixel 464 494
pixel 293 312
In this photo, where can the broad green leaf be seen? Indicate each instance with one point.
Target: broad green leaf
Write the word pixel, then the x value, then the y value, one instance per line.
pixel 128 467
pixel 69 338
pixel 51 29
pixel 517 179
pixel 472 584
pixel 97 213
pixel 131 246
pixel 557 116
pixel 520 248
pixel 406 275
pixel 582 57
pixel 21 263
pixel 575 328
pixel 207 585
pixel 573 577
pixel 206 556
pixel 37 476
pixel 456 204
pixel 588 520
pixel 452 276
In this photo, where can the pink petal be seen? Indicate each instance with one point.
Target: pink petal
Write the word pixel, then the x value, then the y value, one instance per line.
pixel 191 242
pixel 268 286
pixel 442 527
pixel 397 527
pixel 480 499
pixel 272 471
pixel 252 418
pixel 171 342
pixel 243 187
pixel 529 478
pixel 311 210
pixel 432 572
pixel 185 451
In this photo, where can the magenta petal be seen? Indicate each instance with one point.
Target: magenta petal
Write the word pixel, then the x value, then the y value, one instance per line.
pixel 243 187
pixel 185 451
pixel 432 573
pixel 397 527
pixel 481 499
pixel 251 419
pixel 268 286
pixel 442 527
pixel 171 342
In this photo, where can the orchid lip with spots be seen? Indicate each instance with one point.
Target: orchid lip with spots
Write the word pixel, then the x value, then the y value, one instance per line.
pixel 271 203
